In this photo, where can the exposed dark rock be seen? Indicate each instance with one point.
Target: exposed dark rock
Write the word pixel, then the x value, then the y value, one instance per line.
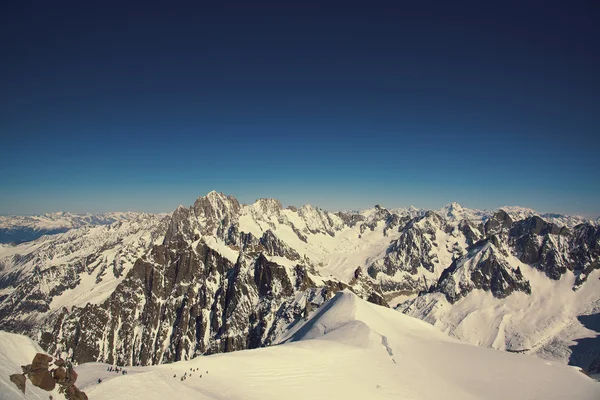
pixel 19 380
pixel 483 268
pixel 303 281
pixel 41 377
pixel 500 223
pixel 350 219
pixel 38 373
pixel 472 235
pixel 378 299
pixel 275 247
pixel 535 226
pixel 60 374
pixel 412 250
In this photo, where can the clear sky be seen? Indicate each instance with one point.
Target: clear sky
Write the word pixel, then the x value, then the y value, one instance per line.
pixel 113 106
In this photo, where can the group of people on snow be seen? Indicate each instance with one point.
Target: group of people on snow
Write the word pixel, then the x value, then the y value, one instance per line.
pixel 185 374
pixel 117 370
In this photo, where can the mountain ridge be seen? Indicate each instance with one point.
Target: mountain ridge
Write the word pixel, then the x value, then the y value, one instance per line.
pixel 220 276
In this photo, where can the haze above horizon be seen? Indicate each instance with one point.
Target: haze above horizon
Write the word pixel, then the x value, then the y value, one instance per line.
pixel 116 107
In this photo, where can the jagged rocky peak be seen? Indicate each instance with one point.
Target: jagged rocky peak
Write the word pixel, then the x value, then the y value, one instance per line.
pixel 372 217
pixel 484 267
pixel 266 208
pixel 180 225
pixel 210 215
pixel 380 213
pixel 320 221
pixel 216 206
pixel 429 222
pixel 542 244
pixel 471 232
pixel 499 223
pixel 453 211
pixel 536 226
pixel 413 250
pixel 350 218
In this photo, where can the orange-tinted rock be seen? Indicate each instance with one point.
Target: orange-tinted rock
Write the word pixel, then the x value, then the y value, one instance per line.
pixel 59 374
pixel 40 362
pixel 42 379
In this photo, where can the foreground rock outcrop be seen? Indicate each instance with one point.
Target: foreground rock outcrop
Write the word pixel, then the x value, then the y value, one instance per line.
pixel 44 376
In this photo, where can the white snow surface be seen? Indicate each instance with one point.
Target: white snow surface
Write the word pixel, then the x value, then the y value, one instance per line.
pixel 348 349
pixel 542 323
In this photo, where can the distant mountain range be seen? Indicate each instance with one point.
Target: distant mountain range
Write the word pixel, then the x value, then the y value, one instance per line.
pixel 15 229
pixel 19 229
pixel 221 276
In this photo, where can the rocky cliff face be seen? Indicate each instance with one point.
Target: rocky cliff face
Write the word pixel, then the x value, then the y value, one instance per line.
pixel 545 246
pixel 484 267
pixel 179 302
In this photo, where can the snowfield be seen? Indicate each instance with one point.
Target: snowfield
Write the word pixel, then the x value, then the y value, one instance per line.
pixel 347 349
pixel 544 323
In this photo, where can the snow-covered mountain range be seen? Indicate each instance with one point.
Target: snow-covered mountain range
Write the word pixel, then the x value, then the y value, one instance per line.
pixel 19 229
pixel 346 349
pixel 221 276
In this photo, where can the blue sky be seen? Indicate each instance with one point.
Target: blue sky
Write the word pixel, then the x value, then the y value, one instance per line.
pixel 114 107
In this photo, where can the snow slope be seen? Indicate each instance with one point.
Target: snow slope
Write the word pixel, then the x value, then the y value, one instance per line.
pixel 544 323
pixel 348 349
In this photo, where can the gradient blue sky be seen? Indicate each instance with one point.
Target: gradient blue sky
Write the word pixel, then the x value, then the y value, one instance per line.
pixel 143 107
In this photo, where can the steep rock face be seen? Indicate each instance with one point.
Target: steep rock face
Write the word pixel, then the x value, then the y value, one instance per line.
pixel 212 214
pixel 273 246
pixel 553 249
pixel 414 249
pixel 350 218
pixel 486 268
pixel 499 224
pixel 183 302
pixel 178 303
pixel 471 233
pixel 585 250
